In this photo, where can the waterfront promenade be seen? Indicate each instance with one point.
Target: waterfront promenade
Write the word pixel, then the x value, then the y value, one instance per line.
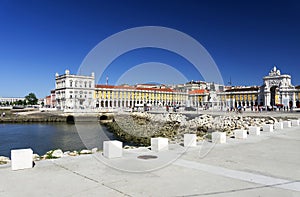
pixel 265 165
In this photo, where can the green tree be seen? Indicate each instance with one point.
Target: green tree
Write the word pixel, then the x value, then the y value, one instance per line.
pixel 31 99
pixel 19 102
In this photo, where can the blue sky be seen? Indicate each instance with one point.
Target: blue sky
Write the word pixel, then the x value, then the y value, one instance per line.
pixel 245 38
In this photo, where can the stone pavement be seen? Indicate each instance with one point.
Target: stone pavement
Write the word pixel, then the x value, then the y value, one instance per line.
pixel 266 165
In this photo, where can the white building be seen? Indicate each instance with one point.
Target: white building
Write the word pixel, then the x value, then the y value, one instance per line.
pixel 74 91
pixel 277 89
pixel 5 100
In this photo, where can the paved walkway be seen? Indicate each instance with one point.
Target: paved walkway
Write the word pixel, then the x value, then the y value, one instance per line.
pixel 266 165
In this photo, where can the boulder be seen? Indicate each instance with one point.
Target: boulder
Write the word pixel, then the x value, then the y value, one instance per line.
pixel 85 151
pixel 58 153
pixel 74 153
pixel 94 150
pixel 4 160
pixel 36 157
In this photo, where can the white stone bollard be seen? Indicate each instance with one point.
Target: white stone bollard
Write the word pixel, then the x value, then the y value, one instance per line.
pixel 240 134
pixel 159 144
pixel 268 128
pixel 287 124
pixel 295 123
pixel 278 125
pixel 21 159
pixel 254 130
pixel 218 137
pixel 112 149
pixel 190 140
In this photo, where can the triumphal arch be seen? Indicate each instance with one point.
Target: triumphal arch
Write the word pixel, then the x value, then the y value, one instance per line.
pixel 277 89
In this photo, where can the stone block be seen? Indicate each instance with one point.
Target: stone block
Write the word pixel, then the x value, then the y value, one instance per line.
pixel 112 149
pixel 278 125
pixel 268 128
pixel 295 123
pixel 218 137
pixel 21 159
pixel 159 144
pixel 190 140
pixel 253 130
pixel 240 134
pixel 287 124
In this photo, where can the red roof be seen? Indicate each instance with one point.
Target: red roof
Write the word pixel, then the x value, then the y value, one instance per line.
pixel 201 91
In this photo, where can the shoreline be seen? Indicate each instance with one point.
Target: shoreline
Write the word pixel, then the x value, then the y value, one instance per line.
pixel 34 116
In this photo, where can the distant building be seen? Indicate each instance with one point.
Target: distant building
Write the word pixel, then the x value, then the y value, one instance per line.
pixel 232 97
pixel 74 91
pixel 80 92
pixel 9 100
pixel 47 101
pixel 139 95
pixel 277 90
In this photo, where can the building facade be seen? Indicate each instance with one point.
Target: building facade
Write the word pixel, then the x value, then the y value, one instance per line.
pixel 139 95
pixel 244 96
pixel 10 100
pixel 277 90
pixel 80 92
pixel 74 91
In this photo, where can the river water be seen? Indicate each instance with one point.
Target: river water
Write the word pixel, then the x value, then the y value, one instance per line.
pixel 42 137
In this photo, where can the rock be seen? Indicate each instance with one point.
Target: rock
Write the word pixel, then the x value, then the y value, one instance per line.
pixel 139 127
pixel 36 157
pixel 58 153
pixel 4 160
pixel 74 153
pixel 94 150
pixel 84 151
pixel 129 147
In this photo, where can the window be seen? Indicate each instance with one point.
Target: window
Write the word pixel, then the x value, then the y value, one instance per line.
pixel 85 84
pixel 71 83
pixel 90 84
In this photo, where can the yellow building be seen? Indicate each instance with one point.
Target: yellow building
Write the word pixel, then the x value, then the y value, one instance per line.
pixel 240 96
pixel 198 97
pixel 131 96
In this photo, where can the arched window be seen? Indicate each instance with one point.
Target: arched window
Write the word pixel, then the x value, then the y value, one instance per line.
pixel 71 83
